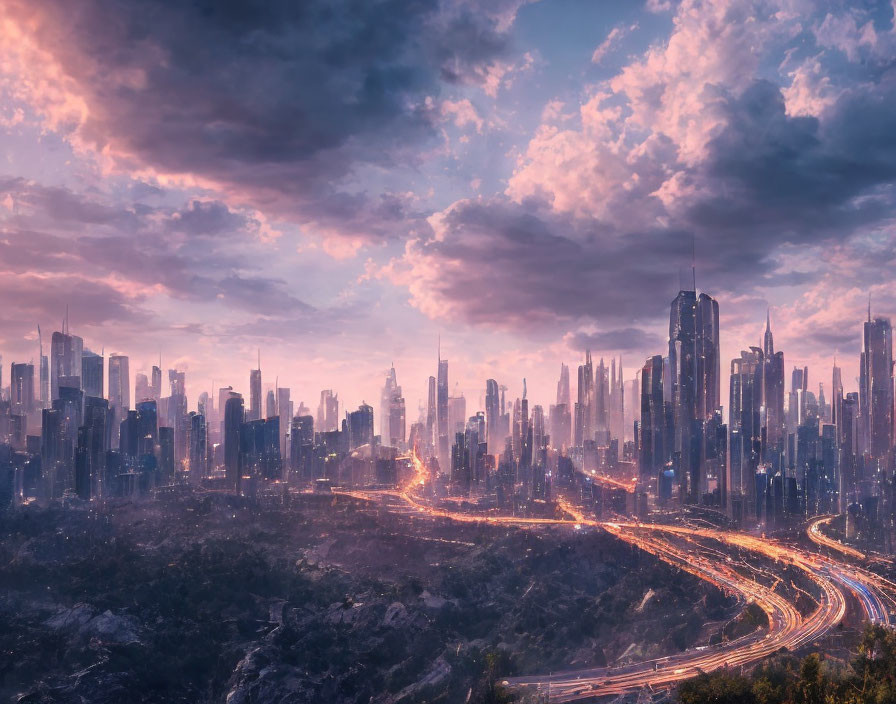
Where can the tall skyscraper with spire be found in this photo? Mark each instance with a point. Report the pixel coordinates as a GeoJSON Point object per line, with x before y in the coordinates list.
{"type": "Point", "coordinates": [695, 378]}
{"type": "Point", "coordinates": [772, 394]}
{"type": "Point", "coordinates": [876, 386]}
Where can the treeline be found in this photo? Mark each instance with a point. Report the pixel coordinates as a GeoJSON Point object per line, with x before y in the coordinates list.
{"type": "Point", "coordinates": [870, 678]}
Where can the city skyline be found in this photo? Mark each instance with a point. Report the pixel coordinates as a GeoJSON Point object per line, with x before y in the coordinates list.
{"type": "Point", "coordinates": [526, 200]}
{"type": "Point", "coordinates": [472, 388]}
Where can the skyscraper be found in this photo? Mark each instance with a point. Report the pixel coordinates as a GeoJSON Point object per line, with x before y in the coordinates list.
{"type": "Point", "coordinates": [233, 419]}
{"type": "Point", "coordinates": [708, 390]}
{"type": "Point", "coordinates": [652, 452]}
{"type": "Point", "coordinates": [397, 419]}
{"type": "Point", "coordinates": [360, 426]}
{"type": "Point", "coordinates": [694, 383]}
{"type": "Point", "coordinates": [198, 453]}
{"type": "Point", "coordinates": [156, 384]}
{"type": "Point", "coordinates": [492, 417]}
{"type": "Point", "coordinates": [876, 386]}
{"type": "Point", "coordinates": [836, 393]}
{"type": "Point", "coordinates": [432, 428]}
{"type": "Point", "coordinates": [584, 413]}
{"type": "Point", "coordinates": [744, 439]}
{"type": "Point", "coordinates": [92, 374]}
{"type": "Point", "coordinates": [284, 412]}
{"type": "Point", "coordinates": [328, 411]}
{"type": "Point", "coordinates": [563, 396]}
{"type": "Point", "coordinates": [65, 359]}
{"type": "Point", "coordinates": [119, 391]}
{"type": "Point", "coordinates": [683, 378]}
{"type": "Point", "coordinates": [21, 389]}
{"type": "Point", "coordinates": [442, 411]}
{"type": "Point", "coordinates": [255, 401]}
{"type": "Point", "coordinates": [385, 400]}
{"type": "Point", "coordinates": [773, 394]}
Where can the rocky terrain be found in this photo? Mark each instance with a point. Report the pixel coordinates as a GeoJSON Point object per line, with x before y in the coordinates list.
{"type": "Point", "coordinates": [321, 600]}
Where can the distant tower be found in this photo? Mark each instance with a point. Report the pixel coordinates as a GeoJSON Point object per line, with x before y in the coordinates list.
{"type": "Point", "coordinates": [255, 392]}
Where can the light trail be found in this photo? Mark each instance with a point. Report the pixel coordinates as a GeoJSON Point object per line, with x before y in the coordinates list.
{"type": "Point", "coordinates": [819, 538]}
{"type": "Point", "coordinates": [787, 627]}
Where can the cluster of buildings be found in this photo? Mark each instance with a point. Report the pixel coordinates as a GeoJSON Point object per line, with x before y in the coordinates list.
{"type": "Point", "coordinates": [785, 453]}
{"type": "Point", "coordinates": [661, 440]}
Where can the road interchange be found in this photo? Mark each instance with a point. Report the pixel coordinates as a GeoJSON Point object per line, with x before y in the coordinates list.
{"type": "Point", "coordinates": [836, 580]}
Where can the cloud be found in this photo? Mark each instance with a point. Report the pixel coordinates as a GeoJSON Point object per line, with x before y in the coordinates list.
{"type": "Point", "coordinates": [688, 143]}
{"type": "Point", "coordinates": [274, 105]}
{"type": "Point", "coordinates": [612, 41]}
{"type": "Point", "coordinates": [522, 267]}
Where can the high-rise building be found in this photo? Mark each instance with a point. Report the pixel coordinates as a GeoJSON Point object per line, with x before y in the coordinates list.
{"type": "Point", "coordinates": [92, 374]}
{"type": "Point", "coordinates": [432, 430]}
{"type": "Point", "coordinates": [360, 426]}
{"type": "Point", "coordinates": [233, 419]}
{"type": "Point", "coordinates": [397, 419]}
{"type": "Point", "coordinates": [708, 391]}
{"type": "Point", "coordinates": [198, 448]}
{"type": "Point", "coordinates": [442, 411]}
{"type": "Point", "coordinates": [142, 389]}
{"type": "Point", "coordinates": [301, 436]}
{"type": "Point", "coordinates": [652, 450]}
{"type": "Point", "coordinates": [493, 416]}
{"type": "Point", "coordinates": [876, 387]}
{"type": "Point", "coordinates": [389, 386]}
{"type": "Point", "coordinates": [119, 391]}
{"type": "Point", "coordinates": [147, 427]}
{"type": "Point", "coordinates": [837, 393]}
{"type": "Point", "coordinates": [156, 385]}
{"type": "Point", "coordinates": [21, 389]}
{"type": "Point", "coordinates": [52, 453]}
{"type": "Point", "coordinates": [44, 388]}
{"type": "Point", "coordinates": [65, 359]}
{"type": "Point", "coordinates": [328, 411]}
{"type": "Point", "coordinates": [694, 383]}
{"type": "Point", "coordinates": [284, 412]}
{"type": "Point", "coordinates": [744, 439]}
{"type": "Point", "coordinates": [773, 395]}
{"type": "Point", "coordinates": [270, 404]}
{"type": "Point", "coordinates": [584, 409]}
{"type": "Point", "coordinates": [254, 412]}
{"type": "Point", "coordinates": [683, 379]}
{"type": "Point", "coordinates": [563, 396]}
{"type": "Point", "coordinates": [93, 445]}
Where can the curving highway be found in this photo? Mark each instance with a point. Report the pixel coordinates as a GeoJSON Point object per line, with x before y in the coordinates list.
{"type": "Point", "coordinates": [694, 550]}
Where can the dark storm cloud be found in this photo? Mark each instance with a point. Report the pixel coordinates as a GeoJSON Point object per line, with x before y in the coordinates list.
{"type": "Point", "coordinates": [521, 266]}
{"type": "Point", "coordinates": [274, 100]}
{"type": "Point", "coordinates": [780, 178]}
{"type": "Point", "coordinates": [206, 218]}
{"type": "Point", "coordinates": [769, 179]}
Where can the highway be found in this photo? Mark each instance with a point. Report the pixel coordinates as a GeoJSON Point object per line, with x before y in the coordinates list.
{"type": "Point", "coordinates": [699, 551]}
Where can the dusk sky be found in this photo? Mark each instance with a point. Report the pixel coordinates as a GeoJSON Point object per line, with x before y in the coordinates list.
{"type": "Point", "coordinates": [340, 182]}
